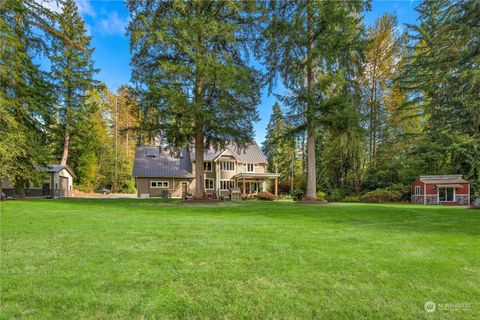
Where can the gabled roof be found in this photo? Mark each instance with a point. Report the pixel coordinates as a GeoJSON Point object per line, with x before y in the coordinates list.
{"type": "Point", "coordinates": [443, 179]}
{"type": "Point", "coordinates": [251, 153]}
{"type": "Point", "coordinates": [166, 163]}
{"type": "Point", "coordinates": [54, 168]}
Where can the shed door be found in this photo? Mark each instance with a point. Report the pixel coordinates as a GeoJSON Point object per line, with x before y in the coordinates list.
{"type": "Point", "coordinates": [63, 186]}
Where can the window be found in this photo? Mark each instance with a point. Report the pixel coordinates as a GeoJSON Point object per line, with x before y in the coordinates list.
{"type": "Point", "coordinates": [209, 184]}
{"type": "Point", "coordinates": [159, 184]}
{"type": "Point", "coordinates": [227, 165]}
{"type": "Point", "coordinates": [151, 153]}
{"type": "Point", "coordinates": [207, 166]}
{"type": "Point", "coordinates": [445, 194]}
{"type": "Point", "coordinates": [417, 190]}
{"type": "Point", "coordinates": [250, 167]}
{"type": "Point", "coordinates": [227, 184]}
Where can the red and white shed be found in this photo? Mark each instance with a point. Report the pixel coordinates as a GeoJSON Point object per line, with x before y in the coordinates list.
{"type": "Point", "coordinates": [442, 189]}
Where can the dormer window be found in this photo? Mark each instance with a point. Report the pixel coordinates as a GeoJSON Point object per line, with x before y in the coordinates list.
{"type": "Point", "coordinates": [151, 153]}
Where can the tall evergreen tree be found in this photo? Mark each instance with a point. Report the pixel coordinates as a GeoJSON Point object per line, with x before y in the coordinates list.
{"type": "Point", "coordinates": [442, 77]}
{"type": "Point", "coordinates": [191, 65]}
{"type": "Point", "coordinates": [279, 144]}
{"type": "Point", "coordinates": [25, 95]}
{"type": "Point", "coordinates": [304, 42]}
{"type": "Point", "coordinates": [73, 70]}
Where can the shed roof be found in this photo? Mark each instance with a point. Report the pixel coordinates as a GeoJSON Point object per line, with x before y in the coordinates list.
{"type": "Point", "coordinates": [443, 179]}
{"type": "Point", "coordinates": [54, 168]}
{"type": "Point", "coordinates": [167, 162]}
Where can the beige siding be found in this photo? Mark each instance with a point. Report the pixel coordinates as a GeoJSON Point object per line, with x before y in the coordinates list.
{"type": "Point", "coordinates": [175, 186]}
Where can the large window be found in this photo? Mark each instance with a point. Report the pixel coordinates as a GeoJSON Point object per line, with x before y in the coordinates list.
{"type": "Point", "coordinates": [159, 184]}
{"type": "Point", "coordinates": [250, 167]}
{"type": "Point", "coordinates": [227, 165]}
{"type": "Point", "coordinates": [207, 166]}
{"type": "Point", "coordinates": [227, 184]}
{"type": "Point", "coordinates": [417, 190]}
{"type": "Point", "coordinates": [445, 194]}
{"type": "Point", "coordinates": [209, 184]}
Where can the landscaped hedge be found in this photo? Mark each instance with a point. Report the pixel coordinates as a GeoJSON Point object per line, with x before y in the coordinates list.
{"type": "Point", "coordinates": [382, 195]}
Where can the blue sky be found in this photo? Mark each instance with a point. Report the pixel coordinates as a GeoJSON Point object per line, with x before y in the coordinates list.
{"type": "Point", "coordinates": [106, 22]}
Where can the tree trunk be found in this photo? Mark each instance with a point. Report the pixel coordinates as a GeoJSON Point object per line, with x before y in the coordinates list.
{"type": "Point", "coordinates": [66, 144]}
{"type": "Point", "coordinates": [311, 193]}
{"type": "Point", "coordinates": [199, 180]}
{"type": "Point", "coordinates": [199, 135]}
{"type": "Point", "coordinates": [66, 136]}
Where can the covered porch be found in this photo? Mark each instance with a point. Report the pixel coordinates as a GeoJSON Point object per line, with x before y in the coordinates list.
{"type": "Point", "coordinates": [252, 183]}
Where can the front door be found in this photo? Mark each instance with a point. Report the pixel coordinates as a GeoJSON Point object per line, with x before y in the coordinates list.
{"type": "Point", "coordinates": [63, 187]}
{"type": "Point", "coordinates": [184, 189]}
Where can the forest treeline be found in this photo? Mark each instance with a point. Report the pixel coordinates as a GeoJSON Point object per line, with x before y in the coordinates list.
{"type": "Point", "coordinates": [53, 110]}
{"type": "Point", "coordinates": [409, 106]}
{"type": "Point", "coordinates": [364, 107]}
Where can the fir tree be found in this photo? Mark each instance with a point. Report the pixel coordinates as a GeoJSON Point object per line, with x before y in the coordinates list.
{"type": "Point", "coordinates": [73, 70]}
{"type": "Point", "coordinates": [191, 66]}
{"type": "Point", "coordinates": [304, 42]}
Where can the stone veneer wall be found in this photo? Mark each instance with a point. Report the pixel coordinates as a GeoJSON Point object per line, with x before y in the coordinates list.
{"type": "Point", "coordinates": [462, 199]}
{"type": "Point", "coordinates": [418, 199]}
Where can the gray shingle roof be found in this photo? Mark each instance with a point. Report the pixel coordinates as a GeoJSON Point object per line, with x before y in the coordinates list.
{"type": "Point", "coordinates": [454, 178]}
{"type": "Point", "coordinates": [166, 163]}
{"type": "Point", "coordinates": [251, 153]}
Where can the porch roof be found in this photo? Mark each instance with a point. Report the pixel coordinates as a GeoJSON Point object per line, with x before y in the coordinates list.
{"type": "Point", "coordinates": [448, 185]}
{"type": "Point", "coordinates": [253, 175]}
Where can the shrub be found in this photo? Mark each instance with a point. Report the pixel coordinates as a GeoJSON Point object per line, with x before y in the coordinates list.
{"type": "Point", "coordinates": [403, 189]}
{"type": "Point", "coordinates": [321, 196]}
{"type": "Point", "coordinates": [334, 195]}
{"type": "Point", "coordinates": [351, 199]}
{"type": "Point", "coordinates": [297, 194]}
{"type": "Point", "coordinates": [381, 195]}
{"type": "Point", "coordinates": [265, 196]}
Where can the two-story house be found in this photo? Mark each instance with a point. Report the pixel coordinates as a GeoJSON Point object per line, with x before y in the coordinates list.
{"type": "Point", "coordinates": [161, 171]}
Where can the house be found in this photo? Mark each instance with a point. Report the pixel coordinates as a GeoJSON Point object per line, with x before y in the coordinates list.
{"type": "Point", "coordinates": [58, 184]}
{"type": "Point", "coordinates": [441, 189]}
{"type": "Point", "coordinates": [163, 171]}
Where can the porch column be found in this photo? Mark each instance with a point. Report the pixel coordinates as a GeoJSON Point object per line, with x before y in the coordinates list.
{"type": "Point", "coordinates": [276, 187]}
{"type": "Point", "coordinates": [264, 186]}
{"type": "Point", "coordinates": [243, 190]}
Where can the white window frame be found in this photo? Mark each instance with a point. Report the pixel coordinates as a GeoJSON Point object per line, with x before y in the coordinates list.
{"type": "Point", "coordinates": [253, 168]}
{"type": "Point", "coordinates": [231, 184]}
{"type": "Point", "coordinates": [417, 190]}
{"type": "Point", "coordinates": [213, 184]}
{"type": "Point", "coordinates": [222, 165]}
{"type": "Point", "coordinates": [446, 197]}
{"type": "Point", "coordinates": [159, 184]}
{"type": "Point", "coordinates": [205, 165]}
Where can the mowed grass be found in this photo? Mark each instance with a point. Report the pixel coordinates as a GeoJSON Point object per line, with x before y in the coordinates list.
{"type": "Point", "coordinates": [151, 259]}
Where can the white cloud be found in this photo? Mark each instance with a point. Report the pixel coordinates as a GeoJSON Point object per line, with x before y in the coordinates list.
{"type": "Point", "coordinates": [50, 4]}
{"type": "Point", "coordinates": [112, 24]}
{"type": "Point", "coordinates": [85, 8]}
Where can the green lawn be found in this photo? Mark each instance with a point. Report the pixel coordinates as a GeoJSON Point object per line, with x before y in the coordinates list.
{"type": "Point", "coordinates": [134, 259]}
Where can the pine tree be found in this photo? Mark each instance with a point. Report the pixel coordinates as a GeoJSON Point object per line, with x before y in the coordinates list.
{"type": "Point", "coordinates": [305, 40]}
{"type": "Point", "coordinates": [73, 70]}
{"type": "Point", "coordinates": [191, 65]}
